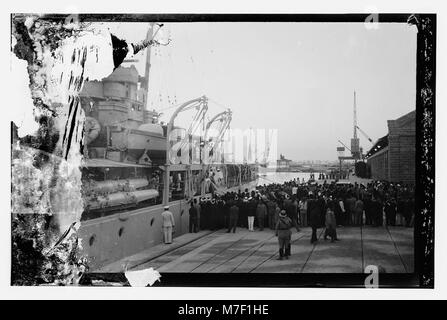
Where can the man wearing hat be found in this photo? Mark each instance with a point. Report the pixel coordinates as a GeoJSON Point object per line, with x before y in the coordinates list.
{"type": "Point", "coordinates": [284, 234]}
{"type": "Point", "coordinates": [168, 225]}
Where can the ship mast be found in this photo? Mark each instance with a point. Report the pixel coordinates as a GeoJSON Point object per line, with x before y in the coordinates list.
{"type": "Point", "coordinates": [149, 37]}
{"type": "Point", "coordinates": [144, 80]}
{"type": "Point", "coordinates": [145, 83]}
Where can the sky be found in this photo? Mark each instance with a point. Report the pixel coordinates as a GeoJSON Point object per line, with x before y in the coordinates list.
{"type": "Point", "coordinates": [298, 78]}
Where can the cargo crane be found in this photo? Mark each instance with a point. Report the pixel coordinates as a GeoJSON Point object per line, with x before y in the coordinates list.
{"type": "Point", "coordinates": [356, 150]}
{"type": "Point", "coordinates": [341, 157]}
{"type": "Point", "coordinates": [180, 141]}
{"type": "Point", "coordinates": [212, 142]}
{"type": "Point", "coordinates": [355, 142]}
{"type": "Point", "coordinates": [344, 145]}
{"type": "Point", "coordinates": [200, 105]}
{"type": "Point", "coordinates": [366, 136]}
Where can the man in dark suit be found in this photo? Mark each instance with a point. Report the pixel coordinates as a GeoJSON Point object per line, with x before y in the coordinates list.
{"type": "Point", "coordinates": [192, 218]}
{"type": "Point", "coordinates": [261, 212]}
{"type": "Point", "coordinates": [322, 208]}
{"type": "Point", "coordinates": [377, 211]}
{"type": "Point", "coordinates": [234, 216]}
{"type": "Point", "coordinates": [271, 209]}
{"type": "Point", "coordinates": [292, 210]}
{"type": "Point", "coordinates": [350, 208]}
{"type": "Point", "coordinates": [197, 206]}
{"type": "Point", "coordinates": [314, 213]}
{"type": "Point", "coordinates": [390, 212]}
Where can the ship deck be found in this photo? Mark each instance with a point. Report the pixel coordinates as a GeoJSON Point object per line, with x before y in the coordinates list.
{"type": "Point", "coordinates": [389, 248]}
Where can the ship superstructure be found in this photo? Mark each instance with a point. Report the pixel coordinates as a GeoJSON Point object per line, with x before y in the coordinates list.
{"type": "Point", "coordinates": [134, 166]}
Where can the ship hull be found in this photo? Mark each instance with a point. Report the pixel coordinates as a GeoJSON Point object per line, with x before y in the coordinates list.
{"type": "Point", "coordinates": [114, 237]}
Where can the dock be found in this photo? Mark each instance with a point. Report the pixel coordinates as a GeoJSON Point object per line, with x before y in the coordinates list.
{"type": "Point", "coordinates": [389, 248]}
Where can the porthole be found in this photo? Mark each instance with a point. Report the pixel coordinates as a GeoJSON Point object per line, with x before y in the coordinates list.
{"type": "Point", "coordinates": [92, 240]}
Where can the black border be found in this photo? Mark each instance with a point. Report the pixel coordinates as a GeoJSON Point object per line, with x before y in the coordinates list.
{"type": "Point", "coordinates": [425, 148]}
{"type": "Point", "coordinates": [425, 157]}
{"type": "Point", "coordinates": [243, 17]}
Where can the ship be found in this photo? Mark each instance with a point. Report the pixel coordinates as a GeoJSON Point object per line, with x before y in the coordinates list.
{"type": "Point", "coordinates": [135, 165]}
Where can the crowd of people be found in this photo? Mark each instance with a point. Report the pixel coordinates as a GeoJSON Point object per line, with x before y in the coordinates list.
{"type": "Point", "coordinates": [323, 205]}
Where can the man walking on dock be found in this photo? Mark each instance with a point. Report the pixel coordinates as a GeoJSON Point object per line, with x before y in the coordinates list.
{"type": "Point", "coordinates": [284, 234]}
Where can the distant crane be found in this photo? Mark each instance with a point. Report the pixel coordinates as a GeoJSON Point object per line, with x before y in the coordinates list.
{"type": "Point", "coordinates": [355, 150]}
{"type": "Point", "coordinates": [355, 142]}
{"type": "Point", "coordinates": [344, 145]}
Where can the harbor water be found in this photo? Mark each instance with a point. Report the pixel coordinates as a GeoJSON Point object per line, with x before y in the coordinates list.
{"type": "Point", "coordinates": [281, 177]}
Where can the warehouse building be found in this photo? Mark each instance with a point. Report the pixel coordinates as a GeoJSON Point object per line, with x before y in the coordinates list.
{"type": "Point", "coordinates": [393, 157]}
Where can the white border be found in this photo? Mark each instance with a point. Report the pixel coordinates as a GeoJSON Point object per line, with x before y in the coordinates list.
{"type": "Point", "coordinates": [228, 6]}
